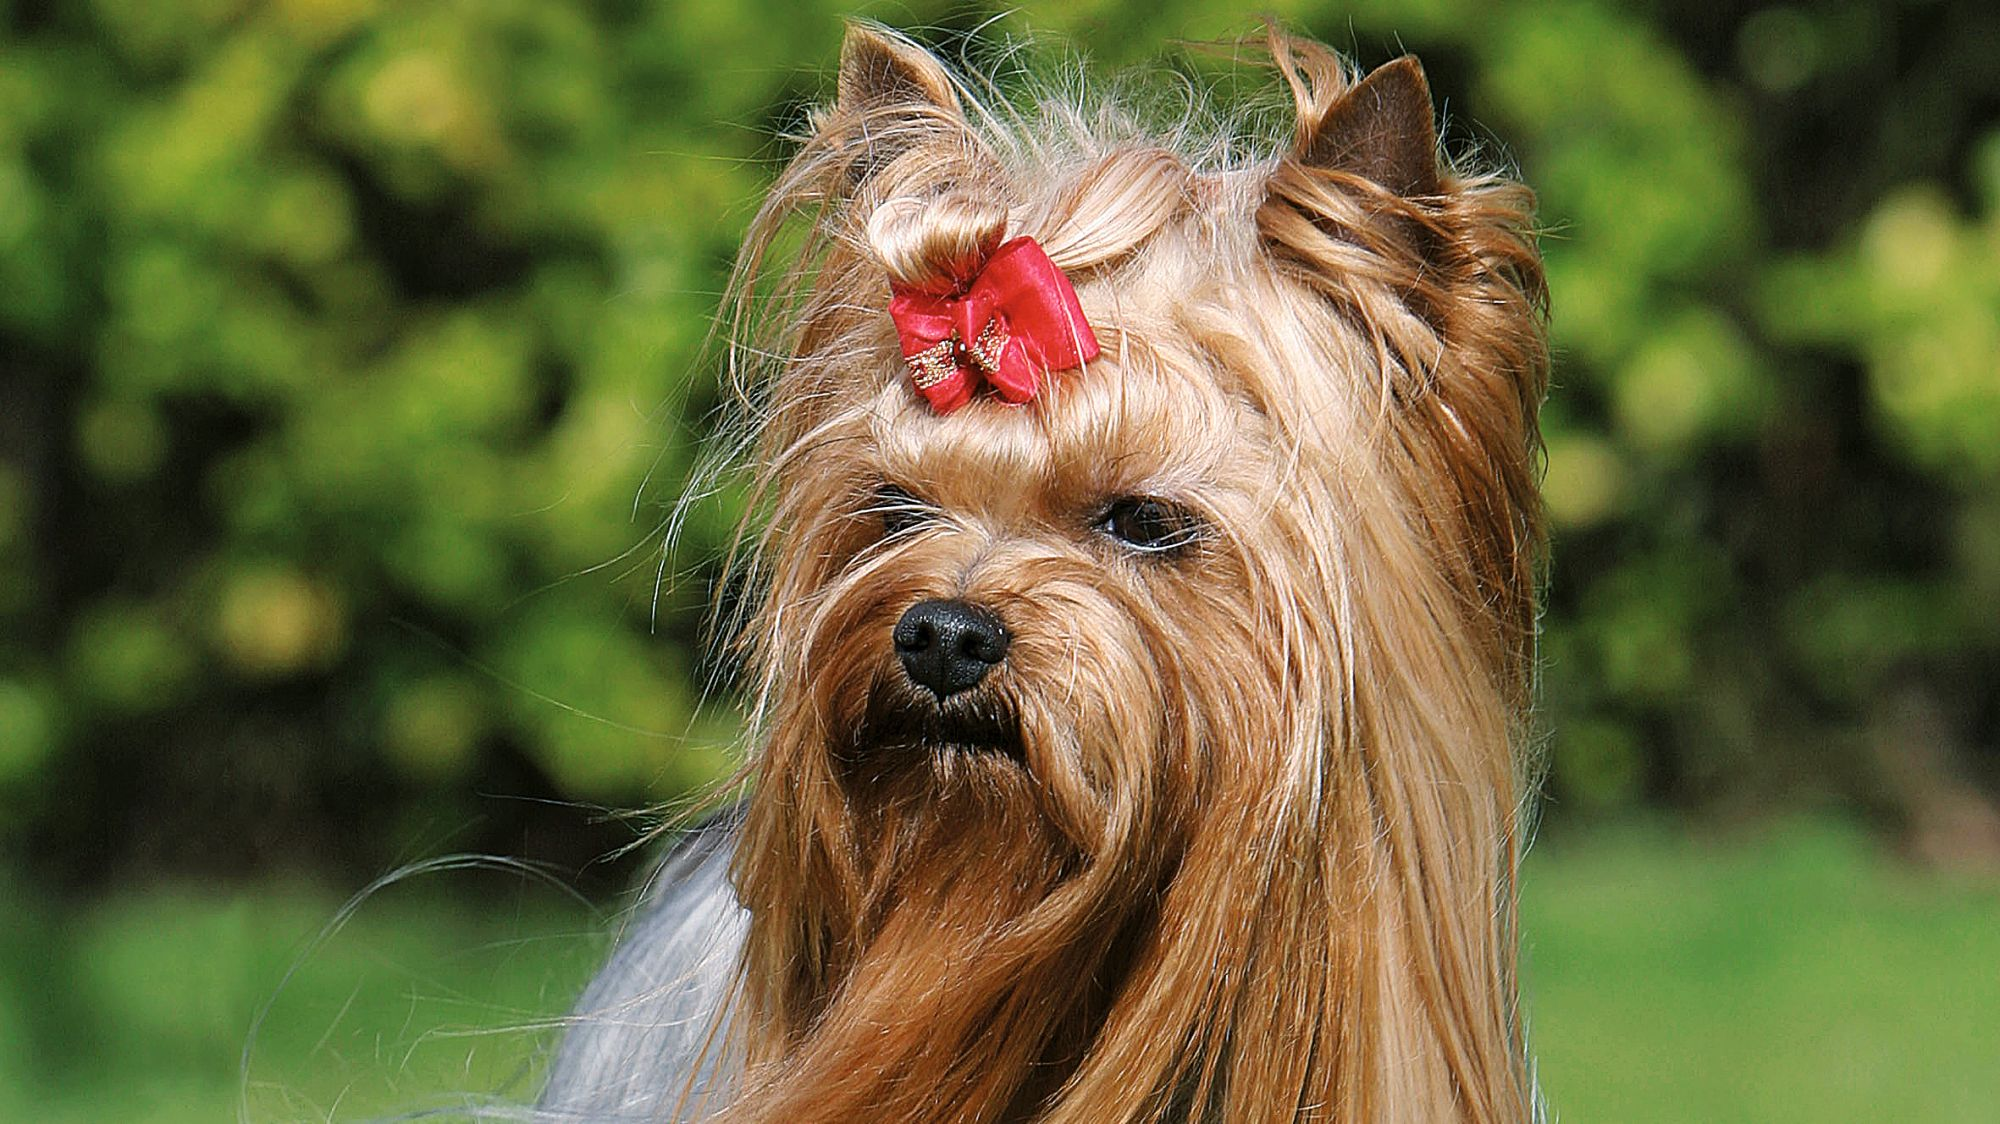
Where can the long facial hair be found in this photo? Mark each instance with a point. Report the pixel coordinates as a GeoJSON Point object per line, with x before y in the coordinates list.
{"type": "Point", "coordinates": [1231, 834]}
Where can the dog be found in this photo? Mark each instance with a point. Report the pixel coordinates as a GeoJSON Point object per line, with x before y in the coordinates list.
{"type": "Point", "coordinates": [1140, 636]}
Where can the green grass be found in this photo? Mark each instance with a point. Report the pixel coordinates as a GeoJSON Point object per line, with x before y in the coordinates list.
{"type": "Point", "coordinates": [1800, 976]}
{"type": "Point", "coordinates": [139, 1009]}
{"type": "Point", "coordinates": [1795, 976]}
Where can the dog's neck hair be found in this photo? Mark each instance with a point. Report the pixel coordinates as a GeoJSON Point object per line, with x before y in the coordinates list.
{"type": "Point", "coordinates": [1308, 916]}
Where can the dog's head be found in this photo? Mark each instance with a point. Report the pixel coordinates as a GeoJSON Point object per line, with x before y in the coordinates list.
{"type": "Point", "coordinates": [1145, 748]}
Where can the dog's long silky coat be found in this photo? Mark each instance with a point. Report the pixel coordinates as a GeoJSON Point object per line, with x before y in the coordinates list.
{"type": "Point", "coordinates": [1222, 823]}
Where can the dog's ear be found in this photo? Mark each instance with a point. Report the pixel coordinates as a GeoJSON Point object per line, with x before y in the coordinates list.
{"type": "Point", "coordinates": [892, 96]}
{"type": "Point", "coordinates": [1459, 258]}
{"type": "Point", "coordinates": [880, 69]}
{"type": "Point", "coordinates": [1382, 128]}
{"type": "Point", "coordinates": [1363, 168]}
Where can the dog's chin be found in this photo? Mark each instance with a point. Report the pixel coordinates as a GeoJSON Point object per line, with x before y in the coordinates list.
{"type": "Point", "coordinates": [905, 730]}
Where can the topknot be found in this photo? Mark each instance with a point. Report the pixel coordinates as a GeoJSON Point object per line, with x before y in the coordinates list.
{"type": "Point", "coordinates": [937, 242]}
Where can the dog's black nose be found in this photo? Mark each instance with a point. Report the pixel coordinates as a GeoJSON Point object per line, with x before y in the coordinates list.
{"type": "Point", "coordinates": [949, 646]}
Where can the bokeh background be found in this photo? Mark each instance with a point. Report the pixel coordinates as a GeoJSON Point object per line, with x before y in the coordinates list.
{"type": "Point", "coordinates": [351, 366]}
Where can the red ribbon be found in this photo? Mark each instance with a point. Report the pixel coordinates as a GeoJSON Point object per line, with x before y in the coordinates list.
{"type": "Point", "coordinates": [1017, 320]}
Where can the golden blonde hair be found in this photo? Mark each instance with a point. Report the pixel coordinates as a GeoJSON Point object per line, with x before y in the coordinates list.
{"type": "Point", "coordinates": [1255, 856]}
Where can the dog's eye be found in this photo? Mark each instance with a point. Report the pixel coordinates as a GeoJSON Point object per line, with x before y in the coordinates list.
{"type": "Point", "coordinates": [1150, 526]}
{"type": "Point", "coordinates": [899, 510]}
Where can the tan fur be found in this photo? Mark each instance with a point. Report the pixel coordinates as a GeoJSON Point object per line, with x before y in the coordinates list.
{"type": "Point", "coordinates": [1256, 861]}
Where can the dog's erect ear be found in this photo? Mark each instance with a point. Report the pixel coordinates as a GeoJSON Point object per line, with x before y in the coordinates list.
{"type": "Point", "coordinates": [893, 96]}
{"type": "Point", "coordinates": [1381, 128]}
{"type": "Point", "coordinates": [880, 70]}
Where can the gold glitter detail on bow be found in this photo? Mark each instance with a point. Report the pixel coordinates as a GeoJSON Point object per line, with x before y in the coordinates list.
{"type": "Point", "coordinates": [986, 350]}
{"type": "Point", "coordinates": [933, 364]}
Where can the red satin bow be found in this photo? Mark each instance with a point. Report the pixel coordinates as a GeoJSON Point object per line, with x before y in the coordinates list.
{"type": "Point", "coordinates": [1018, 319]}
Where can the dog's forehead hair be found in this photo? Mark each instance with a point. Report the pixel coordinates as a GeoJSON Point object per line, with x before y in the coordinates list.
{"type": "Point", "coordinates": [1148, 418]}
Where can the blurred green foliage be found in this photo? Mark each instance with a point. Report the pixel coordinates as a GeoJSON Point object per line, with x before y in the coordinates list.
{"type": "Point", "coordinates": [353, 353]}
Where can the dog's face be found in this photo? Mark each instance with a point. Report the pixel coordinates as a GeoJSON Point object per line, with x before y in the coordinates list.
{"type": "Point", "coordinates": [1115, 743]}
{"type": "Point", "coordinates": [1046, 600]}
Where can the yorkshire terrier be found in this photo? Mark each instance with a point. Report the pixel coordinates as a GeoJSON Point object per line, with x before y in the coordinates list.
{"type": "Point", "coordinates": [1141, 638]}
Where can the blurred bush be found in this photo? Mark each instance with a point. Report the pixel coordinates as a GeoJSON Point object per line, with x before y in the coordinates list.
{"type": "Point", "coordinates": [352, 355]}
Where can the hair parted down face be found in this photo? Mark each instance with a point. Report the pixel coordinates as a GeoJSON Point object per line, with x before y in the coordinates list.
{"type": "Point", "coordinates": [1230, 832]}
